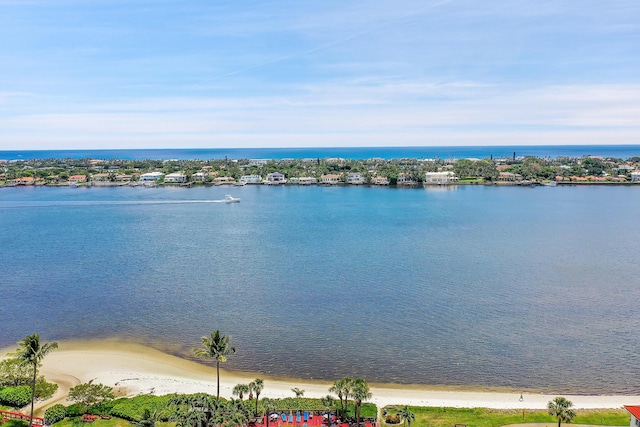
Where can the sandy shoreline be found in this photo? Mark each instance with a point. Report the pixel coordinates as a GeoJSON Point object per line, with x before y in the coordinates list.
{"type": "Point", "coordinates": [134, 369]}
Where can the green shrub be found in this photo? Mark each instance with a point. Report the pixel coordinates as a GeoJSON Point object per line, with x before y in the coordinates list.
{"type": "Point", "coordinates": [132, 409]}
{"type": "Point", "coordinates": [75, 410]}
{"type": "Point", "coordinates": [16, 397]}
{"type": "Point", "coordinates": [44, 389]}
{"type": "Point", "coordinates": [55, 413]}
{"type": "Point", "coordinates": [16, 423]}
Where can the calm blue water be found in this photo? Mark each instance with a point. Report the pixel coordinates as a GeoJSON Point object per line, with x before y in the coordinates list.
{"type": "Point", "coordinates": [520, 287]}
{"type": "Point", "coordinates": [553, 151]}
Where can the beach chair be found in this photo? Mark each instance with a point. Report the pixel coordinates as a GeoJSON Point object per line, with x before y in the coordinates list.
{"type": "Point", "coordinates": [298, 417]}
{"type": "Point", "coordinates": [284, 417]}
{"type": "Point", "coordinates": [291, 418]}
{"type": "Point", "coordinates": [306, 416]}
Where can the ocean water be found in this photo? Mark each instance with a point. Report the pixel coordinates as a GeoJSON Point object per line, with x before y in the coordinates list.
{"type": "Point", "coordinates": [532, 288]}
{"type": "Point", "coordinates": [553, 151]}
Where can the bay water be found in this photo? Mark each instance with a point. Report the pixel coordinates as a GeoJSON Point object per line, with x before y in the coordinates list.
{"type": "Point", "coordinates": [532, 288]}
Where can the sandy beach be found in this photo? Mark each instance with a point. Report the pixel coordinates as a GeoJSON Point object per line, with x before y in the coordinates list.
{"type": "Point", "coordinates": [134, 369]}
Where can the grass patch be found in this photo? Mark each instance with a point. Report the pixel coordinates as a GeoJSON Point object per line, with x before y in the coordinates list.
{"type": "Point", "coordinates": [76, 422]}
{"type": "Point", "coordinates": [482, 417]}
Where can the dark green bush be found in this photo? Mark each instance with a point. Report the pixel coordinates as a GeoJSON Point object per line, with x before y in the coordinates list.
{"type": "Point", "coordinates": [132, 409]}
{"type": "Point", "coordinates": [16, 397]}
{"type": "Point", "coordinates": [16, 423]}
{"type": "Point", "coordinates": [55, 413]}
{"type": "Point", "coordinates": [75, 410]}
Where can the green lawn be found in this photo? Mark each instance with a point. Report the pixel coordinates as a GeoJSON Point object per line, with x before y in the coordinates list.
{"type": "Point", "coordinates": [479, 417]}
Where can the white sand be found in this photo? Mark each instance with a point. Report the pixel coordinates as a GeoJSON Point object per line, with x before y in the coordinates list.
{"type": "Point", "coordinates": [134, 369]}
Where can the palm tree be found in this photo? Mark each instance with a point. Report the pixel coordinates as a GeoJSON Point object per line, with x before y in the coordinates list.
{"type": "Point", "coordinates": [342, 388]}
{"type": "Point", "coordinates": [256, 387]}
{"type": "Point", "coordinates": [299, 393]}
{"type": "Point", "coordinates": [337, 389]}
{"type": "Point", "coordinates": [32, 352]}
{"type": "Point", "coordinates": [216, 347]}
{"type": "Point", "coordinates": [360, 392]}
{"type": "Point", "coordinates": [240, 390]}
{"type": "Point", "coordinates": [268, 405]}
{"type": "Point", "coordinates": [561, 409]}
{"type": "Point", "coordinates": [406, 415]}
{"type": "Point", "coordinates": [328, 402]}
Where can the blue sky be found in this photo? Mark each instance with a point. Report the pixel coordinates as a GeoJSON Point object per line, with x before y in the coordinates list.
{"type": "Point", "coordinates": [246, 73]}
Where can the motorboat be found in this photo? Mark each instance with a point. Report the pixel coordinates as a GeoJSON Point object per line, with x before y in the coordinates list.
{"type": "Point", "coordinates": [229, 199]}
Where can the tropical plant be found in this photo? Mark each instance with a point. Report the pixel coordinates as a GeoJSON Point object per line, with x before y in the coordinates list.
{"type": "Point", "coordinates": [55, 413]}
{"type": "Point", "coordinates": [360, 392]}
{"type": "Point", "coordinates": [299, 393]}
{"type": "Point", "coordinates": [216, 347]}
{"type": "Point", "coordinates": [561, 409]}
{"type": "Point", "coordinates": [31, 352]}
{"type": "Point", "coordinates": [240, 390]}
{"type": "Point", "coordinates": [268, 405]}
{"type": "Point", "coordinates": [406, 415]}
{"type": "Point", "coordinates": [89, 394]}
{"type": "Point", "coordinates": [342, 388]}
{"type": "Point", "coordinates": [16, 397]}
{"type": "Point", "coordinates": [256, 387]}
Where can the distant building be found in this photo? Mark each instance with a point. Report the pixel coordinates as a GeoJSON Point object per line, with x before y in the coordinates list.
{"type": "Point", "coordinates": [77, 179]}
{"type": "Point", "coordinates": [175, 177]}
{"type": "Point", "coordinates": [508, 176]}
{"type": "Point", "coordinates": [405, 179]}
{"type": "Point", "coordinates": [330, 178]}
{"type": "Point", "coordinates": [380, 180]}
{"type": "Point", "coordinates": [441, 178]}
{"type": "Point", "coordinates": [275, 178]}
{"type": "Point", "coordinates": [355, 178]}
{"type": "Point", "coordinates": [303, 180]}
{"type": "Point", "coordinates": [200, 176]}
{"type": "Point", "coordinates": [151, 176]}
{"type": "Point", "coordinates": [635, 176]}
{"type": "Point", "coordinates": [224, 180]}
{"type": "Point", "coordinates": [251, 179]}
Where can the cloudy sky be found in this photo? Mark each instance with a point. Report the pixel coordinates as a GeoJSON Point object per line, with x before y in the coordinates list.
{"type": "Point", "coordinates": [298, 73]}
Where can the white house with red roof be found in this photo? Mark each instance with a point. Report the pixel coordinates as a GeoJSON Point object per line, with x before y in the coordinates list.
{"type": "Point", "coordinates": [635, 414]}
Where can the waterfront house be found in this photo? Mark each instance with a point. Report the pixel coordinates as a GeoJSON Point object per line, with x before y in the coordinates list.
{"type": "Point", "coordinates": [635, 176]}
{"type": "Point", "coordinates": [508, 176]}
{"type": "Point", "coordinates": [303, 180]}
{"type": "Point", "coordinates": [25, 180]}
{"type": "Point", "coordinates": [200, 176]}
{"type": "Point", "coordinates": [380, 180]}
{"type": "Point", "coordinates": [151, 177]}
{"type": "Point", "coordinates": [355, 178]}
{"type": "Point", "coordinates": [442, 178]}
{"type": "Point", "coordinates": [405, 179]}
{"type": "Point", "coordinates": [100, 177]}
{"type": "Point", "coordinates": [330, 179]}
{"type": "Point", "coordinates": [223, 180]}
{"type": "Point", "coordinates": [275, 178]}
{"type": "Point", "coordinates": [76, 179]}
{"type": "Point", "coordinates": [176, 177]}
{"type": "Point", "coordinates": [250, 179]}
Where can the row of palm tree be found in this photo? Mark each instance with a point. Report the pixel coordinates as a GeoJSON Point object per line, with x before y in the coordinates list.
{"type": "Point", "coordinates": [356, 388]}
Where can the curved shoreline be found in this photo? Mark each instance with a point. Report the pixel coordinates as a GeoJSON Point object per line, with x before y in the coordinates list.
{"type": "Point", "coordinates": [134, 369]}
